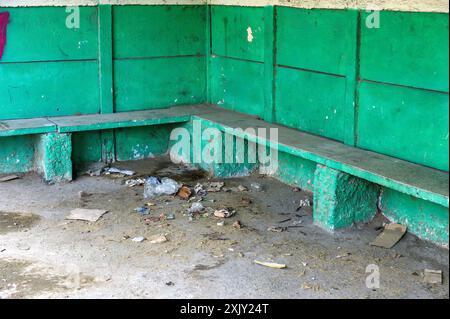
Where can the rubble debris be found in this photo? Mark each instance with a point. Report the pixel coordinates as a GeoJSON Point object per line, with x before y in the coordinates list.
{"type": "Point", "coordinates": [153, 219]}
{"type": "Point", "coordinates": [95, 169]}
{"type": "Point", "coordinates": [343, 256]}
{"type": "Point", "coordinates": [196, 208]}
{"type": "Point", "coordinates": [277, 229]}
{"type": "Point", "coordinates": [246, 200]}
{"type": "Point", "coordinates": [308, 286]}
{"type": "Point", "coordinates": [256, 187]}
{"type": "Point", "coordinates": [221, 223]}
{"type": "Point", "coordinates": [284, 221]}
{"type": "Point", "coordinates": [135, 182]}
{"type": "Point", "coordinates": [214, 187]}
{"type": "Point", "coordinates": [169, 216]}
{"type": "Point", "coordinates": [150, 204]}
{"type": "Point", "coordinates": [303, 203]}
{"type": "Point", "coordinates": [82, 194]}
{"type": "Point", "coordinates": [238, 225]}
{"type": "Point", "coordinates": [8, 178]}
{"type": "Point", "coordinates": [158, 239]}
{"type": "Point", "coordinates": [184, 192]}
{"type": "Point", "coordinates": [90, 215]}
{"type": "Point", "coordinates": [242, 188]}
{"type": "Point", "coordinates": [114, 170]}
{"type": "Point", "coordinates": [390, 236]}
{"type": "Point", "coordinates": [200, 191]}
{"type": "Point", "coordinates": [144, 211]}
{"type": "Point", "coordinates": [270, 264]}
{"type": "Point", "coordinates": [215, 236]}
{"type": "Point", "coordinates": [158, 187]}
{"type": "Point", "coordinates": [297, 222]}
{"type": "Point", "coordinates": [138, 239]}
{"type": "Point", "coordinates": [224, 213]}
{"type": "Point", "coordinates": [433, 277]}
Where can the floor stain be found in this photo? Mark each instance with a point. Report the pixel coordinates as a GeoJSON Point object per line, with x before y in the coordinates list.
{"type": "Point", "coordinates": [14, 222]}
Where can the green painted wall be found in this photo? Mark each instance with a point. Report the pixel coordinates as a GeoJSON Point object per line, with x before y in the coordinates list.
{"type": "Point", "coordinates": [158, 56]}
{"type": "Point", "coordinates": [48, 69]}
{"type": "Point", "coordinates": [325, 72]}
{"type": "Point", "coordinates": [405, 122]}
{"type": "Point", "coordinates": [150, 56]}
{"type": "Point", "coordinates": [321, 71]}
{"type": "Point", "coordinates": [238, 85]}
{"type": "Point", "coordinates": [142, 142]}
{"type": "Point", "coordinates": [403, 95]}
{"type": "Point", "coordinates": [237, 64]}
{"type": "Point", "coordinates": [16, 154]}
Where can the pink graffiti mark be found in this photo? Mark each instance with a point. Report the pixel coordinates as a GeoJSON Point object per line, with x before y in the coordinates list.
{"type": "Point", "coordinates": [4, 17]}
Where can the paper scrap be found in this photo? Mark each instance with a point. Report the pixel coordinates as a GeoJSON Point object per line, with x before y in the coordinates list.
{"type": "Point", "coordinates": [390, 236]}
{"type": "Point", "coordinates": [90, 215]}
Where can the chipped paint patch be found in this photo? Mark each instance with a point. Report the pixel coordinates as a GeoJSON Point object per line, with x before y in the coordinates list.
{"type": "Point", "coordinates": [249, 34]}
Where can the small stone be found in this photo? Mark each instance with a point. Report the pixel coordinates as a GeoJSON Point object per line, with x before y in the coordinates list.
{"type": "Point", "coordinates": [242, 188]}
{"type": "Point", "coordinates": [257, 187]}
{"type": "Point", "coordinates": [138, 239]}
{"type": "Point", "coordinates": [159, 239]}
{"type": "Point", "coordinates": [237, 224]}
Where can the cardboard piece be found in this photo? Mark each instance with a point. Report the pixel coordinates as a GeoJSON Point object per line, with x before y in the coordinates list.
{"type": "Point", "coordinates": [90, 215]}
{"type": "Point", "coordinates": [433, 277]}
{"type": "Point", "coordinates": [390, 236]}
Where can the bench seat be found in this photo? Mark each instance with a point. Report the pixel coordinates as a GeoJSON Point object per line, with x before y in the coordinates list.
{"type": "Point", "coordinates": [416, 180]}
{"type": "Point", "coordinates": [95, 122]}
{"type": "Point", "coordinates": [26, 127]}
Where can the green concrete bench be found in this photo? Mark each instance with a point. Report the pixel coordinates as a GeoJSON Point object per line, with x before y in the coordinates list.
{"type": "Point", "coordinates": [38, 127]}
{"type": "Point", "coordinates": [346, 179]}
{"type": "Point", "coordinates": [26, 127]}
{"type": "Point", "coordinates": [53, 143]}
{"type": "Point", "coordinates": [406, 177]}
{"type": "Point", "coordinates": [55, 148]}
{"type": "Point", "coordinates": [95, 122]}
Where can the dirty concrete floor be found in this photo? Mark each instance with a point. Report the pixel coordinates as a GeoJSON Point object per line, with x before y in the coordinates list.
{"type": "Point", "coordinates": [43, 255]}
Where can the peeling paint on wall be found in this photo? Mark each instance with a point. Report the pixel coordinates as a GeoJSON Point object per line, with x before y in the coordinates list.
{"type": "Point", "coordinates": [249, 34]}
{"type": "Point", "coordinates": [394, 5]}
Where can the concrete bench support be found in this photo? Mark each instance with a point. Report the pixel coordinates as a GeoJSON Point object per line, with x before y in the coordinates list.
{"type": "Point", "coordinates": [53, 158]}
{"type": "Point", "coordinates": [340, 200]}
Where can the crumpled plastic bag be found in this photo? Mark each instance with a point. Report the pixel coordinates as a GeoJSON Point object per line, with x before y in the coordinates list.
{"type": "Point", "coordinates": [158, 187]}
